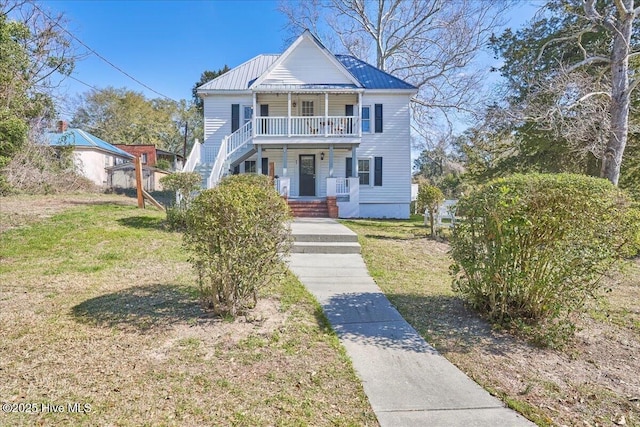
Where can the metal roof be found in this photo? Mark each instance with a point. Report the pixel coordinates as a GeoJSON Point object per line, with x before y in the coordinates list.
{"type": "Point", "coordinates": [371, 77]}
{"type": "Point", "coordinates": [240, 77]}
{"type": "Point", "coordinates": [79, 138]}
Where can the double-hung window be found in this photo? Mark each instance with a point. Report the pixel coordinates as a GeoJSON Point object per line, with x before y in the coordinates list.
{"type": "Point", "coordinates": [366, 118]}
{"type": "Point", "coordinates": [364, 171]}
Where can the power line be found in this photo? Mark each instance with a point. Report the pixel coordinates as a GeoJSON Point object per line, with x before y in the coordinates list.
{"type": "Point", "coordinates": [86, 84]}
{"type": "Point", "coordinates": [100, 56]}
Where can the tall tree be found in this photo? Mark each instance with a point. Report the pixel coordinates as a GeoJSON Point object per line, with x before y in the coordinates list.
{"type": "Point", "coordinates": [122, 116]}
{"type": "Point", "coordinates": [33, 49]}
{"type": "Point", "coordinates": [571, 81]}
{"type": "Point", "coordinates": [429, 43]}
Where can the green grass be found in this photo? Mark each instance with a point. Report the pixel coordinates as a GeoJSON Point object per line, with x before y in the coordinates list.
{"type": "Point", "coordinates": [98, 305]}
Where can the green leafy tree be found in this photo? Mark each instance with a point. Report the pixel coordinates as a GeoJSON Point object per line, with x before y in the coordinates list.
{"type": "Point", "coordinates": [122, 116]}
{"type": "Point", "coordinates": [33, 50]}
{"type": "Point", "coordinates": [571, 76]}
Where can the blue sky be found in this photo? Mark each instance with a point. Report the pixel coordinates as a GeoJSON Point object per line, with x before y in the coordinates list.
{"type": "Point", "coordinates": [167, 44]}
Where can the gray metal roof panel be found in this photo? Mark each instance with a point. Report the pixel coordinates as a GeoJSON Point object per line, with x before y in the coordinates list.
{"type": "Point", "coordinates": [240, 77]}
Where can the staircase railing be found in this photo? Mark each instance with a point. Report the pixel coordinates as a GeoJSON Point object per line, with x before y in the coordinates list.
{"type": "Point", "coordinates": [194, 157]}
{"type": "Point", "coordinates": [239, 138]}
{"type": "Point", "coordinates": [218, 165]}
{"type": "Point", "coordinates": [230, 145]}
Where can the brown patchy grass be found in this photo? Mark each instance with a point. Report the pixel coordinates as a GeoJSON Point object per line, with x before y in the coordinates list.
{"type": "Point", "coordinates": [593, 382]}
{"type": "Point", "coordinates": [97, 306]}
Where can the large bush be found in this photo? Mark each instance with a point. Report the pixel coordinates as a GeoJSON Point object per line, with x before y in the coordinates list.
{"type": "Point", "coordinates": [236, 234]}
{"type": "Point", "coordinates": [530, 249]}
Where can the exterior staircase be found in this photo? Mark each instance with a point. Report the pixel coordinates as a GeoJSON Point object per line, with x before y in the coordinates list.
{"type": "Point", "coordinates": [233, 149]}
{"type": "Point", "coordinates": [308, 208]}
{"type": "Point", "coordinates": [204, 169]}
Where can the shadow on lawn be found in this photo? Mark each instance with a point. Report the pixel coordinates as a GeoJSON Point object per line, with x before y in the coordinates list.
{"type": "Point", "coordinates": [140, 308]}
{"type": "Point", "coordinates": [143, 222]}
{"type": "Point", "coordinates": [449, 323]}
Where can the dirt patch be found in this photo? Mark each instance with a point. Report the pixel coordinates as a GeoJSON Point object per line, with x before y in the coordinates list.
{"type": "Point", "coordinates": [18, 211]}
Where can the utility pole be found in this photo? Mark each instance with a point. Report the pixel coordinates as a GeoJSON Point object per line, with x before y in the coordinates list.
{"type": "Point", "coordinates": [184, 148]}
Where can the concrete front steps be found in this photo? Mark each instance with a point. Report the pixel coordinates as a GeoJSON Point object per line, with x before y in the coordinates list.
{"type": "Point", "coordinates": [327, 239]}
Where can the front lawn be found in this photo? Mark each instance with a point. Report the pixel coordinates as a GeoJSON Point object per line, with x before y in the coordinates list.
{"type": "Point", "coordinates": [98, 307]}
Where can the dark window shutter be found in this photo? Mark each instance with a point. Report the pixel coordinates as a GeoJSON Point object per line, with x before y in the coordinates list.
{"type": "Point", "coordinates": [265, 166]}
{"type": "Point", "coordinates": [235, 117]}
{"type": "Point", "coordinates": [349, 171]}
{"type": "Point", "coordinates": [378, 118]}
{"type": "Point", "coordinates": [264, 110]}
{"type": "Point", "coordinates": [378, 172]}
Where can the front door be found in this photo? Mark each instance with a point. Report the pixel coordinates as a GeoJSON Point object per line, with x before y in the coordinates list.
{"type": "Point", "coordinates": [307, 175]}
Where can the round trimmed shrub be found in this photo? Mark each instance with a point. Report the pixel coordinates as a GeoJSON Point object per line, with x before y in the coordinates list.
{"type": "Point", "coordinates": [236, 234]}
{"type": "Point", "coordinates": [530, 249]}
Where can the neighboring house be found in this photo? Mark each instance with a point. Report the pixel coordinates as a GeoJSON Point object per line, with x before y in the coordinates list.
{"type": "Point", "coordinates": [150, 155]}
{"type": "Point", "coordinates": [324, 126]}
{"type": "Point", "coordinates": [92, 156]}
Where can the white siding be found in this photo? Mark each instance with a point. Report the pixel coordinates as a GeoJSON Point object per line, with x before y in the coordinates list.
{"type": "Point", "coordinates": [307, 64]}
{"type": "Point", "coordinates": [217, 121]}
{"type": "Point", "coordinates": [393, 145]}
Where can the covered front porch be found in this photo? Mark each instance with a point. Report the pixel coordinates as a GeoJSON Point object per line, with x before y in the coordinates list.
{"type": "Point", "coordinates": [310, 172]}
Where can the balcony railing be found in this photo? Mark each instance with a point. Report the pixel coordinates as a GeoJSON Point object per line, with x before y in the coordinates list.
{"type": "Point", "coordinates": [314, 126]}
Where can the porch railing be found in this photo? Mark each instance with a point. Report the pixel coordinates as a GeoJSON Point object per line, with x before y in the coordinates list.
{"type": "Point", "coordinates": [239, 138]}
{"type": "Point", "coordinates": [307, 126]}
{"type": "Point", "coordinates": [342, 186]}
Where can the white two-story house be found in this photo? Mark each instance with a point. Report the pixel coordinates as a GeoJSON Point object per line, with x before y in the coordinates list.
{"type": "Point", "coordinates": [324, 126]}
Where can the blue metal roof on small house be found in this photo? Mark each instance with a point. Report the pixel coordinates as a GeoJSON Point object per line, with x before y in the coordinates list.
{"type": "Point", "coordinates": [79, 138]}
{"type": "Point", "coordinates": [371, 77]}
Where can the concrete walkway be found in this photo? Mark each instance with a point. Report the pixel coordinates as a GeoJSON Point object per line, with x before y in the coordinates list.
{"type": "Point", "coordinates": [407, 381]}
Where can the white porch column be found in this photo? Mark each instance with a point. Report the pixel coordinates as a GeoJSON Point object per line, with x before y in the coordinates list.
{"type": "Point", "coordinates": [284, 160]}
{"type": "Point", "coordinates": [330, 160]}
{"type": "Point", "coordinates": [253, 115]}
{"type": "Point", "coordinates": [354, 161]}
{"type": "Point", "coordinates": [288, 115]}
{"type": "Point", "coordinates": [326, 114]}
{"type": "Point", "coordinates": [259, 159]}
{"type": "Point", "coordinates": [359, 114]}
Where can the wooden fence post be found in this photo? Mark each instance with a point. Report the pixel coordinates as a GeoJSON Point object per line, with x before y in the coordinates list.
{"type": "Point", "coordinates": [139, 182]}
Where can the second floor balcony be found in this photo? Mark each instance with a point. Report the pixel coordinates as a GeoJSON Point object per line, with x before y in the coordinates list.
{"type": "Point", "coordinates": [308, 126]}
